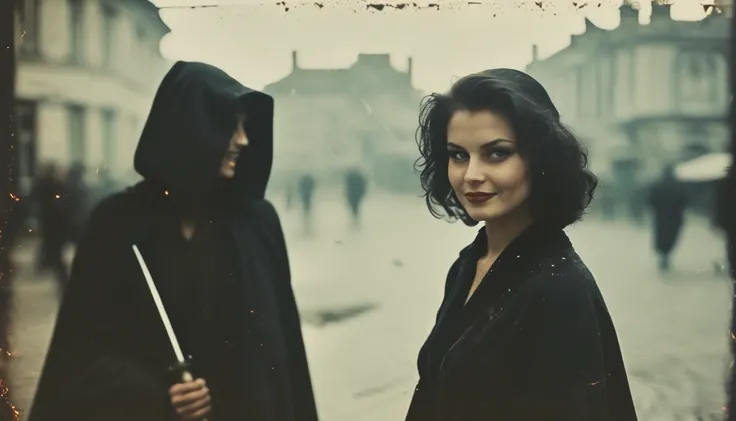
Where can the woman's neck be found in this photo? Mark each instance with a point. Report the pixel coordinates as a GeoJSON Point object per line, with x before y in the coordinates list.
{"type": "Point", "coordinates": [502, 231]}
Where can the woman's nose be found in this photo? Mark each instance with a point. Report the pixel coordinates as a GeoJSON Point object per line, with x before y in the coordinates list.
{"type": "Point", "coordinates": [241, 138]}
{"type": "Point", "coordinates": [473, 173]}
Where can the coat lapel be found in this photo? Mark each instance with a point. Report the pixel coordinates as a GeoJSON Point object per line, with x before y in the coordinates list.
{"type": "Point", "coordinates": [498, 288]}
{"type": "Point", "coordinates": [505, 282]}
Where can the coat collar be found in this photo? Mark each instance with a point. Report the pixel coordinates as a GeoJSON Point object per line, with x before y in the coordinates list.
{"type": "Point", "coordinates": [536, 239]}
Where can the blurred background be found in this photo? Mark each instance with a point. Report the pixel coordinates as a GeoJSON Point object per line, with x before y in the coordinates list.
{"type": "Point", "coordinates": [644, 85]}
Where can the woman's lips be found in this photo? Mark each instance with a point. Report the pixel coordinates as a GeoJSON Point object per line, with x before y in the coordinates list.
{"type": "Point", "coordinates": [231, 157]}
{"type": "Point", "coordinates": [477, 198]}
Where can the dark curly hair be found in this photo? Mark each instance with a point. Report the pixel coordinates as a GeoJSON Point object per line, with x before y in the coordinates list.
{"type": "Point", "coordinates": [561, 185]}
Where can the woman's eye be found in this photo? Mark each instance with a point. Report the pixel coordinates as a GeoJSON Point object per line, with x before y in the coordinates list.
{"type": "Point", "coordinates": [500, 153]}
{"type": "Point", "coordinates": [457, 155]}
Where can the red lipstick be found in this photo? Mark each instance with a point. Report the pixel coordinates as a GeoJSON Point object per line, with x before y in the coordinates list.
{"type": "Point", "coordinates": [477, 198]}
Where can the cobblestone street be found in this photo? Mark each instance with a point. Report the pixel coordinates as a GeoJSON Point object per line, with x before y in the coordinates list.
{"type": "Point", "coordinates": [366, 317]}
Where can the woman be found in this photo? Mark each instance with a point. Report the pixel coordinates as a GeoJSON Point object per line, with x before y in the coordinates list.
{"type": "Point", "coordinates": [523, 333]}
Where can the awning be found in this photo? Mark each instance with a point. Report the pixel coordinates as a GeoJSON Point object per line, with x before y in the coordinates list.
{"type": "Point", "coordinates": [710, 167]}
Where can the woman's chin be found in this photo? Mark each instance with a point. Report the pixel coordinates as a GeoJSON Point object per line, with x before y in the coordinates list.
{"type": "Point", "coordinates": [489, 213]}
{"type": "Point", "coordinates": [480, 213]}
{"type": "Point", "coordinates": [227, 173]}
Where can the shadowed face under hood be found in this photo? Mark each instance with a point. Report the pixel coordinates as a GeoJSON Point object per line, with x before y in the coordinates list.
{"type": "Point", "coordinates": [188, 132]}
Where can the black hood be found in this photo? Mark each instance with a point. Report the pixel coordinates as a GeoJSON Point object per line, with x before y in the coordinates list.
{"type": "Point", "coordinates": [188, 132]}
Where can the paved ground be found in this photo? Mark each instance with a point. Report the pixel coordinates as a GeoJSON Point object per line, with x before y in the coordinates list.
{"type": "Point", "coordinates": [369, 298]}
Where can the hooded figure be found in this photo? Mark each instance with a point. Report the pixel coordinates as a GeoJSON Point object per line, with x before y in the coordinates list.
{"type": "Point", "coordinates": [216, 252]}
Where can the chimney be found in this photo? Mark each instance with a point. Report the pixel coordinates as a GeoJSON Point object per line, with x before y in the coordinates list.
{"type": "Point", "coordinates": [660, 11]}
{"type": "Point", "coordinates": [535, 52]}
{"type": "Point", "coordinates": [410, 67]}
{"type": "Point", "coordinates": [294, 64]}
{"type": "Point", "coordinates": [629, 14]}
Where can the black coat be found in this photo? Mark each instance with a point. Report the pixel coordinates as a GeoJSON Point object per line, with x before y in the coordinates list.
{"type": "Point", "coordinates": [109, 353]}
{"type": "Point", "coordinates": [534, 343]}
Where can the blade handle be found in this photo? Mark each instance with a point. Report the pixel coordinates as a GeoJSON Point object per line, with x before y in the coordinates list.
{"type": "Point", "coordinates": [182, 372]}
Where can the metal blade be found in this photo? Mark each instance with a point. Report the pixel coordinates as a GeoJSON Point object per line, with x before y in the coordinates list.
{"type": "Point", "coordinates": [159, 305]}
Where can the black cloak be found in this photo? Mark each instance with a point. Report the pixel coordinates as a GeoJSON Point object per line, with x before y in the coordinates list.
{"type": "Point", "coordinates": [535, 341]}
{"type": "Point", "coordinates": [109, 352]}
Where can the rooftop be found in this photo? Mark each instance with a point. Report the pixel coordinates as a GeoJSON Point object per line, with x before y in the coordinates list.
{"type": "Point", "coordinates": [371, 73]}
{"type": "Point", "coordinates": [715, 25]}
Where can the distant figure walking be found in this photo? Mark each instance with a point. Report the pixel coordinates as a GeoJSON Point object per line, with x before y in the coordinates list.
{"type": "Point", "coordinates": [307, 184]}
{"type": "Point", "coordinates": [79, 201]}
{"type": "Point", "coordinates": [106, 185]}
{"type": "Point", "coordinates": [355, 190]}
{"type": "Point", "coordinates": [668, 199]}
{"type": "Point", "coordinates": [50, 197]}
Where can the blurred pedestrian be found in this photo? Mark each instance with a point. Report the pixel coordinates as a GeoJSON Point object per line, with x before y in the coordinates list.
{"type": "Point", "coordinates": [668, 199]}
{"type": "Point", "coordinates": [51, 201]}
{"type": "Point", "coordinates": [355, 190]}
{"type": "Point", "coordinates": [307, 185]}
{"type": "Point", "coordinates": [79, 200]}
{"type": "Point", "coordinates": [106, 185]}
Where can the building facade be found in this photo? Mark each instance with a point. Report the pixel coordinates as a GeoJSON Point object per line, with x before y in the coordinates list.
{"type": "Point", "coordinates": [331, 120]}
{"type": "Point", "coordinates": [643, 96]}
{"type": "Point", "coordinates": [87, 71]}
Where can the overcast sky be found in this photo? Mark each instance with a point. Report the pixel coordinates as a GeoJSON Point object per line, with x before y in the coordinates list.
{"type": "Point", "coordinates": [252, 40]}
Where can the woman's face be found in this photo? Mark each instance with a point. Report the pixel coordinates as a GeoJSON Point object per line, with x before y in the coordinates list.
{"type": "Point", "coordinates": [486, 172]}
{"type": "Point", "coordinates": [238, 141]}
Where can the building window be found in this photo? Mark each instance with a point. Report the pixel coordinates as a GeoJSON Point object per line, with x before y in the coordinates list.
{"type": "Point", "coordinates": [76, 26]}
{"type": "Point", "coordinates": [594, 93]}
{"type": "Point", "coordinates": [146, 45]}
{"type": "Point", "coordinates": [109, 16]}
{"type": "Point", "coordinates": [140, 42]}
{"type": "Point", "coordinates": [109, 120]}
{"type": "Point", "coordinates": [25, 112]}
{"type": "Point", "coordinates": [579, 92]}
{"type": "Point", "coordinates": [77, 132]}
{"type": "Point", "coordinates": [603, 81]}
{"type": "Point", "coordinates": [28, 16]}
{"type": "Point", "coordinates": [697, 77]}
{"type": "Point", "coordinates": [610, 84]}
{"type": "Point", "coordinates": [140, 34]}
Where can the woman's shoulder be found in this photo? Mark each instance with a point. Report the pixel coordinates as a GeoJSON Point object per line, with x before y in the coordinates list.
{"type": "Point", "coordinates": [260, 212]}
{"type": "Point", "coordinates": [265, 209]}
{"type": "Point", "coordinates": [118, 213]}
{"type": "Point", "coordinates": [118, 204]}
{"type": "Point", "coordinates": [563, 279]}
